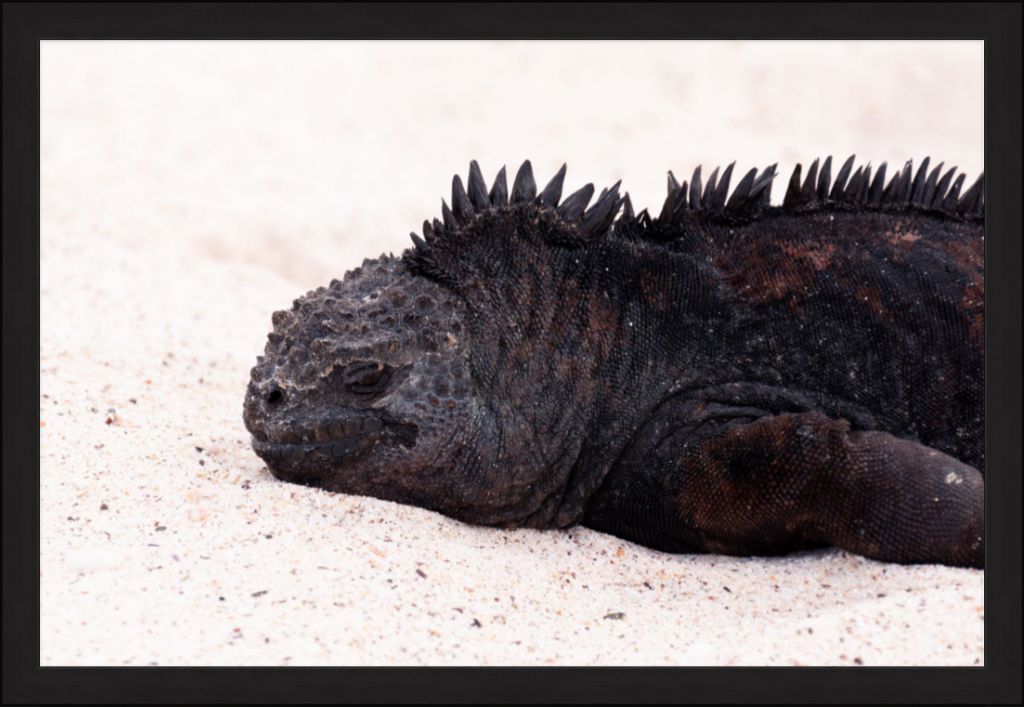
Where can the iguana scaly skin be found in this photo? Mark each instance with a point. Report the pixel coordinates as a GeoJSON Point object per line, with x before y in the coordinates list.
{"type": "Point", "coordinates": [727, 377]}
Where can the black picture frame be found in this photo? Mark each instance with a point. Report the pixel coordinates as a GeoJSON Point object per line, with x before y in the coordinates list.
{"type": "Point", "coordinates": [25, 24]}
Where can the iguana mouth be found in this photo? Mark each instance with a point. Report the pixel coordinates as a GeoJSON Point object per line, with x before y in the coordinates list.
{"type": "Point", "coordinates": [342, 438]}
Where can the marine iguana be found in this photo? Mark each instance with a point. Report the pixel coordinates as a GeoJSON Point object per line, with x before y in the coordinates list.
{"type": "Point", "coordinates": [728, 377]}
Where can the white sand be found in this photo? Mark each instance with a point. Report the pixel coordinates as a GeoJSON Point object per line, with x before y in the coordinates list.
{"type": "Point", "coordinates": [188, 190]}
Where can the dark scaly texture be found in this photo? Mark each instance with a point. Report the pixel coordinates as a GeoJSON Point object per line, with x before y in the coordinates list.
{"type": "Point", "coordinates": [728, 377]}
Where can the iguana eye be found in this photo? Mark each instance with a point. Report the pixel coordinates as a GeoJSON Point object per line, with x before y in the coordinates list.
{"type": "Point", "coordinates": [366, 377]}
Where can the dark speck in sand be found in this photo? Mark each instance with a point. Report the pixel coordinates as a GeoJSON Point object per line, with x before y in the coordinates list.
{"type": "Point", "coordinates": [615, 615]}
{"type": "Point", "coordinates": [104, 506]}
{"type": "Point", "coordinates": [476, 624]}
{"type": "Point", "coordinates": [421, 573]}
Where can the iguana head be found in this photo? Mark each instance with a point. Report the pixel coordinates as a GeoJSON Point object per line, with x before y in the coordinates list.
{"type": "Point", "coordinates": [452, 378]}
{"type": "Point", "coordinates": [364, 385]}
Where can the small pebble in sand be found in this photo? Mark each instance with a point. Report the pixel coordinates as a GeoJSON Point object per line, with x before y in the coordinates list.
{"type": "Point", "coordinates": [615, 615]}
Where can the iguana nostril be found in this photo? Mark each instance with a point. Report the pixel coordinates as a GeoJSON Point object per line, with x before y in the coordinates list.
{"type": "Point", "coordinates": [275, 396]}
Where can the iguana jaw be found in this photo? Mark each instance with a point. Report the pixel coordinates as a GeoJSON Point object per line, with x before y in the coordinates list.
{"type": "Point", "coordinates": [334, 441]}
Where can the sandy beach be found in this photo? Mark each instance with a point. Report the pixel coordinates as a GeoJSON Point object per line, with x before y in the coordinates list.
{"type": "Point", "coordinates": [190, 189]}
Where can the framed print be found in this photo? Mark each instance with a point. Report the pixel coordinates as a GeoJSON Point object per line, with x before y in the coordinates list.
{"type": "Point", "coordinates": [704, 363]}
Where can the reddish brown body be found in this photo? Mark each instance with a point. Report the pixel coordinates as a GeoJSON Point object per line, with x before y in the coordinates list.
{"type": "Point", "coordinates": [728, 377]}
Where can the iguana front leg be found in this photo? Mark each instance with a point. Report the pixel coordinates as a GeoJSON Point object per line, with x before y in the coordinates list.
{"type": "Point", "coordinates": [777, 483]}
{"type": "Point", "coordinates": [805, 477]}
